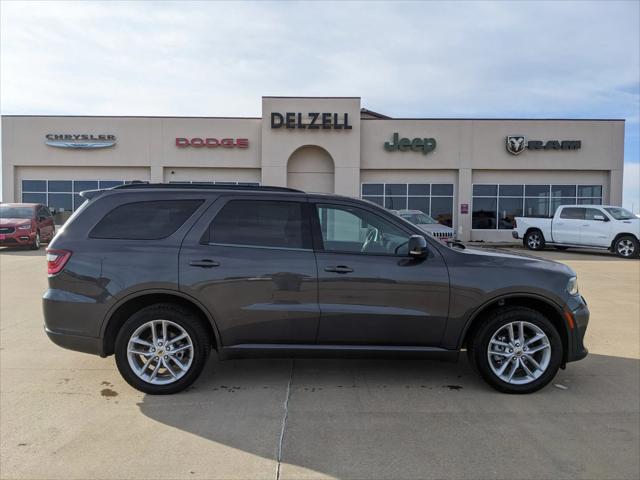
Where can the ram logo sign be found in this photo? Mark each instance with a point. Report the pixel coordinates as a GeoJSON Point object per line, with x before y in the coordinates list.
{"type": "Point", "coordinates": [516, 144]}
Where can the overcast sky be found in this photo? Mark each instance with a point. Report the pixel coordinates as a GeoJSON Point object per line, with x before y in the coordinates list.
{"type": "Point", "coordinates": [426, 59]}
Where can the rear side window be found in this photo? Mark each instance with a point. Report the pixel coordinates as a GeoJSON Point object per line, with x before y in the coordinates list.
{"type": "Point", "coordinates": [572, 213]}
{"type": "Point", "coordinates": [145, 220]}
{"type": "Point", "coordinates": [262, 224]}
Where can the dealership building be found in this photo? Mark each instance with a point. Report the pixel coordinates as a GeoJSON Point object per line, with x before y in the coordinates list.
{"type": "Point", "coordinates": [475, 175]}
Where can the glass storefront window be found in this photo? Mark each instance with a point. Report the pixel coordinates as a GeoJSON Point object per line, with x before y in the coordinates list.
{"type": "Point", "coordinates": [433, 199]}
{"type": "Point", "coordinates": [527, 201]}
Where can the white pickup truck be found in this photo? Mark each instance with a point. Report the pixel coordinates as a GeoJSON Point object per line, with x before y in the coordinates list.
{"type": "Point", "coordinates": [587, 226]}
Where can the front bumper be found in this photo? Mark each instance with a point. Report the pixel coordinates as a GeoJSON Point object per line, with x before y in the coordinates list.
{"type": "Point", "coordinates": [576, 349]}
{"type": "Point", "coordinates": [17, 238]}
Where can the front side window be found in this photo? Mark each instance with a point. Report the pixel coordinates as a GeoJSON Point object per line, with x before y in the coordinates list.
{"type": "Point", "coordinates": [354, 230]}
{"type": "Point", "coordinates": [261, 223]}
{"type": "Point", "coordinates": [151, 220]}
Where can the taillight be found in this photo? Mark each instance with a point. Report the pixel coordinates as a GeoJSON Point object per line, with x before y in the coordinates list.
{"type": "Point", "coordinates": [56, 260]}
{"type": "Point", "coordinates": [515, 224]}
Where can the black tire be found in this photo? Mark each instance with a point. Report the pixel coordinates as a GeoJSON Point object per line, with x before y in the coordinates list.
{"type": "Point", "coordinates": [561, 248]}
{"type": "Point", "coordinates": [478, 345]}
{"type": "Point", "coordinates": [179, 315]}
{"type": "Point", "coordinates": [534, 240]}
{"type": "Point", "coordinates": [626, 246]}
{"type": "Point", "coordinates": [37, 242]}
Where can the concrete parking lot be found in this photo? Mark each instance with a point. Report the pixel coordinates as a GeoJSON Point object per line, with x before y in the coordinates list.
{"type": "Point", "coordinates": [67, 415]}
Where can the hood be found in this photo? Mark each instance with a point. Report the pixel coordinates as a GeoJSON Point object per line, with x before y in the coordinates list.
{"type": "Point", "coordinates": [517, 259]}
{"type": "Point", "coordinates": [13, 222]}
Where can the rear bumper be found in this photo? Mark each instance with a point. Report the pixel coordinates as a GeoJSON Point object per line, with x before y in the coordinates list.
{"type": "Point", "coordinates": [76, 342]}
{"type": "Point", "coordinates": [577, 350]}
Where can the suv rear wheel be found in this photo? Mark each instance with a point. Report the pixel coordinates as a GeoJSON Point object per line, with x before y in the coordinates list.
{"type": "Point", "coordinates": [162, 349]}
{"type": "Point", "coordinates": [516, 350]}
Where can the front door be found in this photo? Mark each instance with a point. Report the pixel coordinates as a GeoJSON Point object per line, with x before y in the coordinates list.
{"type": "Point", "coordinates": [370, 291]}
{"type": "Point", "coordinates": [596, 229]}
{"type": "Point", "coordinates": [250, 261]}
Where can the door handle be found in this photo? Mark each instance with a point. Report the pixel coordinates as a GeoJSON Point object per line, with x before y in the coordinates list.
{"type": "Point", "coordinates": [339, 269]}
{"type": "Point", "coordinates": [204, 263]}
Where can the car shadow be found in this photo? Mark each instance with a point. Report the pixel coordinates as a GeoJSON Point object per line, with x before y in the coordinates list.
{"type": "Point", "coordinates": [412, 418]}
{"type": "Point", "coordinates": [23, 251]}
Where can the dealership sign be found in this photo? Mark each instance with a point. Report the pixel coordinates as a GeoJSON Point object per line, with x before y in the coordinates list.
{"type": "Point", "coordinates": [424, 145]}
{"type": "Point", "coordinates": [516, 144]}
{"type": "Point", "coordinates": [85, 141]}
{"type": "Point", "coordinates": [311, 120]}
{"type": "Point", "coordinates": [209, 142]}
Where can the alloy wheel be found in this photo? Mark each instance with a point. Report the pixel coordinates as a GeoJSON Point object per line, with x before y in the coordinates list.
{"type": "Point", "coordinates": [625, 247]}
{"type": "Point", "coordinates": [533, 240]}
{"type": "Point", "coordinates": [519, 353]}
{"type": "Point", "coordinates": [160, 352]}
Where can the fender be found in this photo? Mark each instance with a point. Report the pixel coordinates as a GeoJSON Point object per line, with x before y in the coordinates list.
{"type": "Point", "coordinates": [497, 298]}
{"type": "Point", "coordinates": [151, 291]}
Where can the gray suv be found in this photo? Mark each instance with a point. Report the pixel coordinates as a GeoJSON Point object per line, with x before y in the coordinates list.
{"type": "Point", "coordinates": [161, 274]}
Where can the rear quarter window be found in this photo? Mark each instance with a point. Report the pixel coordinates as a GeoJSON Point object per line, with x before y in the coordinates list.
{"type": "Point", "coordinates": [150, 220]}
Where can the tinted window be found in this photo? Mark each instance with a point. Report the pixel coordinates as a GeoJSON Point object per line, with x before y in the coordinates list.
{"type": "Point", "coordinates": [355, 230]}
{"type": "Point", "coordinates": [511, 190]}
{"type": "Point", "coordinates": [34, 185]}
{"type": "Point", "coordinates": [109, 183]}
{"type": "Point", "coordinates": [590, 190]}
{"type": "Point", "coordinates": [261, 223]}
{"type": "Point", "coordinates": [536, 207]}
{"type": "Point", "coordinates": [536, 190]}
{"type": "Point", "coordinates": [145, 220]}
{"type": "Point", "coordinates": [395, 189]}
{"type": "Point", "coordinates": [563, 190]}
{"type": "Point", "coordinates": [34, 198]}
{"type": "Point", "coordinates": [508, 209]}
{"type": "Point", "coordinates": [418, 203]}
{"type": "Point", "coordinates": [593, 214]}
{"type": "Point", "coordinates": [484, 213]}
{"type": "Point", "coordinates": [372, 189]}
{"type": "Point", "coordinates": [485, 190]}
{"type": "Point", "coordinates": [442, 189]}
{"type": "Point", "coordinates": [572, 213]}
{"type": "Point", "coordinates": [376, 200]}
{"type": "Point", "coordinates": [442, 210]}
{"type": "Point", "coordinates": [419, 189]}
{"type": "Point", "coordinates": [395, 203]}
{"type": "Point", "coordinates": [82, 185]}
{"type": "Point", "coordinates": [59, 185]}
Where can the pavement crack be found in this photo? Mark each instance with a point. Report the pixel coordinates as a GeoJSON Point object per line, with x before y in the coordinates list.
{"type": "Point", "coordinates": [284, 420]}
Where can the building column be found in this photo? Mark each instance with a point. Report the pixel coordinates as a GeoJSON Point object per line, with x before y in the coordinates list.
{"type": "Point", "coordinates": [465, 181]}
{"type": "Point", "coordinates": [615, 188]}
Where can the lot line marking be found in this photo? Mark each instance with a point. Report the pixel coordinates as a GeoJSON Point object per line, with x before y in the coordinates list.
{"type": "Point", "coordinates": [284, 420]}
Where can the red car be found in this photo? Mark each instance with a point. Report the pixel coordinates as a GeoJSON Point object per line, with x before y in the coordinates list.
{"type": "Point", "coordinates": [27, 224]}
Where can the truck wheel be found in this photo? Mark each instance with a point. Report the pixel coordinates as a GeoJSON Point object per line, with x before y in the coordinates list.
{"type": "Point", "coordinates": [516, 350]}
{"type": "Point", "coordinates": [534, 240]}
{"type": "Point", "coordinates": [627, 247]}
{"type": "Point", "coordinates": [162, 349]}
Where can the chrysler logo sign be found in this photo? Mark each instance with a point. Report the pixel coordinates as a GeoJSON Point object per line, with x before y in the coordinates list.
{"type": "Point", "coordinates": [516, 144]}
{"type": "Point", "coordinates": [85, 141]}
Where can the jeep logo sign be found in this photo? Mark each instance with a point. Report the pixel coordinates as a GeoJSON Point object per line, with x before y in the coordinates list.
{"type": "Point", "coordinates": [424, 145]}
{"type": "Point", "coordinates": [516, 144]}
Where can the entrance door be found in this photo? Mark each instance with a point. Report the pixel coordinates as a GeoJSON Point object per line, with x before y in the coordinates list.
{"type": "Point", "coordinates": [370, 290]}
{"type": "Point", "coordinates": [250, 261]}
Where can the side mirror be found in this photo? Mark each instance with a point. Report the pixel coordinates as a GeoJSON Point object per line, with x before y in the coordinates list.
{"type": "Point", "coordinates": [417, 246]}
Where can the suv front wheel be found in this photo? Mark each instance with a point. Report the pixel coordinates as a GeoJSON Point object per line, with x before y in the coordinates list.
{"type": "Point", "coordinates": [162, 349]}
{"type": "Point", "coordinates": [516, 350]}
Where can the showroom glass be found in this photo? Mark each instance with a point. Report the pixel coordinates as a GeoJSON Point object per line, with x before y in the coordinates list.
{"type": "Point", "coordinates": [434, 199]}
{"type": "Point", "coordinates": [495, 206]}
{"type": "Point", "coordinates": [150, 220]}
{"type": "Point", "coordinates": [347, 229]}
{"type": "Point", "coordinates": [261, 223]}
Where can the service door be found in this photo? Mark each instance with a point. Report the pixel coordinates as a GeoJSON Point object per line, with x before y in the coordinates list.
{"type": "Point", "coordinates": [370, 291]}
{"type": "Point", "coordinates": [250, 261]}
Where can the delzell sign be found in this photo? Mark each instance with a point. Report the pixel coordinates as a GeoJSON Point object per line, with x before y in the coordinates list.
{"type": "Point", "coordinates": [198, 142]}
{"type": "Point", "coordinates": [85, 141]}
{"type": "Point", "coordinates": [424, 145]}
{"type": "Point", "coordinates": [311, 120]}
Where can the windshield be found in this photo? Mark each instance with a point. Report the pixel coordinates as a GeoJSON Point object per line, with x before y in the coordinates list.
{"type": "Point", "coordinates": [620, 213]}
{"type": "Point", "coordinates": [418, 218]}
{"type": "Point", "coordinates": [16, 212]}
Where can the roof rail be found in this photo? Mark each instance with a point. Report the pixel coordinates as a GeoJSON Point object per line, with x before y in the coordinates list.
{"type": "Point", "coordinates": [202, 186]}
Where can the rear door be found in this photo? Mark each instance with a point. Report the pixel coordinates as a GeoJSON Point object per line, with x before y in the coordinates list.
{"type": "Point", "coordinates": [567, 227]}
{"type": "Point", "coordinates": [250, 260]}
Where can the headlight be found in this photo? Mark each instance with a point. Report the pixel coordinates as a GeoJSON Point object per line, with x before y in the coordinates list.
{"type": "Point", "coordinates": [572, 286]}
{"type": "Point", "coordinates": [25, 227]}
